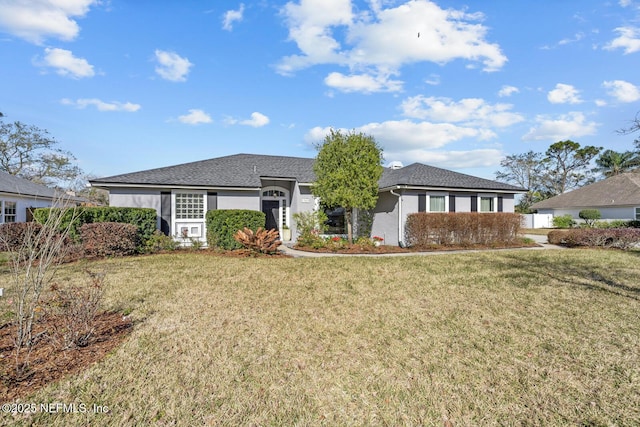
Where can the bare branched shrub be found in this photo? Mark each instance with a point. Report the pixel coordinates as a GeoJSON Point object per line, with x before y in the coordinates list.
{"type": "Point", "coordinates": [263, 241]}
{"type": "Point", "coordinates": [33, 265]}
{"type": "Point", "coordinates": [75, 309]}
{"type": "Point", "coordinates": [461, 229]}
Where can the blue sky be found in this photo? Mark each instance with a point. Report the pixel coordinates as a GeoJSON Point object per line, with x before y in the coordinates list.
{"type": "Point", "coordinates": [137, 84]}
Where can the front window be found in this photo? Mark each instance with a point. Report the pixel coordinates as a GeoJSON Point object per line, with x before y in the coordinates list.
{"type": "Point", "coordinates": [437, 204]}
{"type": "Point", "coordinates": [189, 206]}
{"type": "Point", "coordinates": [335, 223]}
{"type": "Point", "coordinates": [637, 214]}
{"type": "Point", "coordinates": [487, 204]}
{"type": "Point", "coordinates": [9, 211]}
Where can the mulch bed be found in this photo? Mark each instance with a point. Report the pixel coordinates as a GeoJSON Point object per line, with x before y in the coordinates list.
{"type": "Point", "coordinates": [48, 363]}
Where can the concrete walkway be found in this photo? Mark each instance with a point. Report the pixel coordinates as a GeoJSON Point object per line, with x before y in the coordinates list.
{"type": "Point", "coordinates": [540, 240]}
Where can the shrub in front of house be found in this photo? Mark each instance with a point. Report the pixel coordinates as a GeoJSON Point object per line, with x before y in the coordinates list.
{"type": "Point", "coordinates": [618, 238]}
{"type": "Point", "coordinates": [14, 234]}
{"type": "Point", "coordinates": [222, 224]}
{"type": "Point", "coordinates": [590, 216]}
{"type": "Point", "coordinates": [104, 239]}
{"type": "Point", "coordinates": [145, 219]}
{"type": "Point", "coordinates": [461, 229]}
{"type": "Point", "coordinates": [563, 221]}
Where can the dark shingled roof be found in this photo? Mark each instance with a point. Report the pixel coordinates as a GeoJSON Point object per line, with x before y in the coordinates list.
{"type": "Point", "coordinates": [239, 170]}
{"type": "Point", "coordinates": [419, 175]}
{"type": "Point", "coordinates": [13, 184]}
{"type": "Point", "coordinates": [623, 189]}
{"type": "Point", "coordinates": [246, 170]}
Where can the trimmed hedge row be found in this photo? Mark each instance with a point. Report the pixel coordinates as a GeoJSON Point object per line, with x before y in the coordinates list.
{"type": "Point", "coordinates": [143, 218]}
{"type": "Point", "coordinates": [104, 239]}
{"type": "Point", "coordinates": [222, 224]}
{"type": "Point", "coordinates": [619, 238]}
{"type": "Point", "coordinates": [14, 234]}
{"type": "Point", "coordinates": [461, 229]}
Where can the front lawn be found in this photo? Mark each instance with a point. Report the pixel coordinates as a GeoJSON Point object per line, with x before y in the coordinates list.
{"type": "Point", "coordinates": [494, 338]}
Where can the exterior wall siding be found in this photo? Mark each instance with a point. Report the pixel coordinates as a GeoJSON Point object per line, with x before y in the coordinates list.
{"type": "Point", "coordinates": [301, 201]}
{"type": "Point", "coordinates": [385, 219]}
{"type": "Point", "coordinates": [239, 200]}
{"type": "Point", "coordinates": [136, 198]}
{"type": "Point", "coordinates": [22, 204]}
{"type": "Point", "coordinates": [620, 212]}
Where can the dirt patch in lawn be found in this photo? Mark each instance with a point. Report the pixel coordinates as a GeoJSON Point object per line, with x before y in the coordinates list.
{"type": "Point", "coordinates": [50, 363]}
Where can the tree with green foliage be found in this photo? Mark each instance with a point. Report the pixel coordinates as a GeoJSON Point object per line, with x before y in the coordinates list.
{"type": "Point", "coordinates": [612, 163]}
{"type": "Point", "coordinates": [29, 152]}
{"type": "Point", "coordinates": [590, 216]}
{"type": "Point", "coordinates": [348, 168]}
{"type": "Point", "coordinates": [566, 167]}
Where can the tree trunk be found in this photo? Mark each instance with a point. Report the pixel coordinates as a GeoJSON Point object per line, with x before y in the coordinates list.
{"type": "Point", "coordinates": [347, 218]}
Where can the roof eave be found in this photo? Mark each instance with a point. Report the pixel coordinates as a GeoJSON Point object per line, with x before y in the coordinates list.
{"type": "Point", "coordinates": [107, 185]}
{"type": "Point", "coordinates": [436, 188]}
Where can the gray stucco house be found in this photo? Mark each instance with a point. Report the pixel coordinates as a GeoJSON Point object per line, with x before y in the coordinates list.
{"type": "Point", "coordinates": [617, 197]}
{"type": "Point", "coordinates": [18, 196]}
{"type": "Point", "coordinates": [281, 186]}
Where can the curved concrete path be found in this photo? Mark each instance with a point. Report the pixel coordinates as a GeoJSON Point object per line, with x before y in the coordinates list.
{"type": "Point", "coordinates": [540, 240]}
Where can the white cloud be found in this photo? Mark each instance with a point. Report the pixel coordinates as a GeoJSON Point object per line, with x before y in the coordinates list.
{"type": "Point", "coordinates": [195, 117]}
{"type": "Point", "coordinates": [470, 111]}
{"type": "Point", "coordinates": [232, 16]}
{"type": "Point", "coordinates": [36, 20]}
{"type": "Point", "coordinates": [506, 91]}
{"type": "Point", "coordinates": [566, 126]}
{"type": "Point", "coordinates": [362, 83]}
{"type": "Point", "coordinates": [257, 120]}
{"type": "Point", "coordinates": [380, 41]}
{"type": "Point", "coordinates": [402, 135]}
{"type": "Point", "coordinates": [172, 66]}
{"type": "Point", "coordinates": [65, 63]}
{"type": "Point", "coordinates": [622, 91]}
{"type": "Point", "coordinates": [100, 105]}
{"type": "Point", "coordinates": [564, 94]}
{"type": "Point", "coordinates": [628, 39]}
{"type": "Point", "coordinates": [485, 157]}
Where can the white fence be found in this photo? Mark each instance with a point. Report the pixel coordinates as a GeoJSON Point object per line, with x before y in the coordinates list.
{"type": "Point", "coordinates": [537, 221]}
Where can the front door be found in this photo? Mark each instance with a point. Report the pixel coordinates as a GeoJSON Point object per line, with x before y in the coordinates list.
{"type": "Point", "coordinates": [270, 209]}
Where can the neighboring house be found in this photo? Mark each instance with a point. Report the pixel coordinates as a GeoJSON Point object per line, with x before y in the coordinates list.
{"type": "Point", "coordinates": [617, 197]}
{"type": "Point", "coordinates": [19, 196]}
{"type": "Point", "coordinates": [281, 186]}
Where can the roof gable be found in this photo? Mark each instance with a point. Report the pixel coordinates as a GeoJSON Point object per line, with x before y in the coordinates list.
{"type": "Point", "coordinates": [623, 189]}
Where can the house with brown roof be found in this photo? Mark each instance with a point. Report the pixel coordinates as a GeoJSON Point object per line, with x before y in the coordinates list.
{"type": "Point", "coordinates": [280, 186]}
{"type": "Point", "coordinates": [617, 197]}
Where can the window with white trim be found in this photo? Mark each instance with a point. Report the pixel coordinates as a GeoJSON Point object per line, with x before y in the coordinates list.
{"type": "Point", "coordinates": [9, 211]}
{"type": "Point", "coordinates": [487, 204]}
{"type": "Point", "coordinates": [189, 206]}
{"type": "Point", "coordinates": [638, 214]}
{"type": "Point", "coordinates": [437, 203]}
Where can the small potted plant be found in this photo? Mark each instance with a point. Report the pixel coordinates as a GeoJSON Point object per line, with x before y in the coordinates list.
{"type": "Point", "coordinates": [377, 240]}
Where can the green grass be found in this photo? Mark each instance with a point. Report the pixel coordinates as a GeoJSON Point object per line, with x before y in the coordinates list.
{"type": "Point", "coordinates": [494, 338]}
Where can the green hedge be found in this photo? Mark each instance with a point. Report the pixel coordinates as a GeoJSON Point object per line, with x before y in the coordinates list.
{"type": "Point", "coordinates": [144, 218]}
{"type": "Point", "coordinates": [222, 224]}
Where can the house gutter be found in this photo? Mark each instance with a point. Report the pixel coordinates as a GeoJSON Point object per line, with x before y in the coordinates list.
{"type": "Point", "coordinates": [399, 196]}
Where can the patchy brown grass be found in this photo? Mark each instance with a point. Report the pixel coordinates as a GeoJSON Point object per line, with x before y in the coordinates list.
{"type": "Point", "coordinates": [509, 337]}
